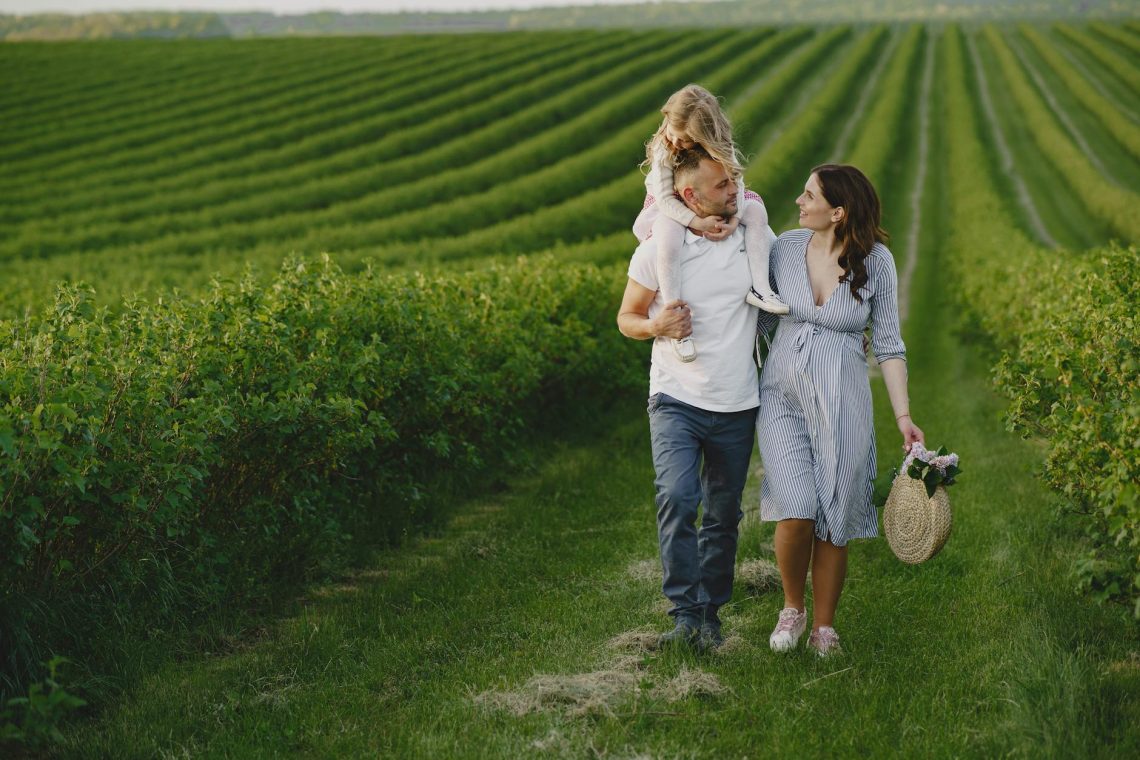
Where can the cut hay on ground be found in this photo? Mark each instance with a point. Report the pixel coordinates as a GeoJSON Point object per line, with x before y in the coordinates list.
{"type": "Point", "coordinates": [759, 576]}
{"type": "Point", "coordinates": [644, 570]}
{"type": "Point", "coordinates": [599, 693]}
{"type": "Point", "coordinates": [639, 640]}
{"type": "Point", "coordinates": [690, 682]}
{"type": "Point", "coordinates": [594, 693]}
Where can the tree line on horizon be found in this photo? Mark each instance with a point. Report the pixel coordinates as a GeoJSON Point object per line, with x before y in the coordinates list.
{"type": "Point", "coordinates": [178, 25]}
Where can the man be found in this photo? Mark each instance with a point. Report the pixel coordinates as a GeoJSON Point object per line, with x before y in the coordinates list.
{"type": "Point", "coordinates": [701, 410]}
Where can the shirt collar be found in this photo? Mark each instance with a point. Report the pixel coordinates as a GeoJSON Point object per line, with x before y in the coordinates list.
{"type": "Point", "coordinates": [702, 242]}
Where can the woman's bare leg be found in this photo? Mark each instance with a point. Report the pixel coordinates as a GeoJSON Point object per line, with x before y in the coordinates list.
{"type": "Point", "coordinates": [828, 571]}
{"type": "Point", "coordinates": [794, 539]}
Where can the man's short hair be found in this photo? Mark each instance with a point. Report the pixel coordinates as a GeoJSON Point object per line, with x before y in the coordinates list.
{"type": "Point", "coordinates": [687, 163]}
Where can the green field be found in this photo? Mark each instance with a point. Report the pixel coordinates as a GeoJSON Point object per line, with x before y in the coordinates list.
{"type": "Point", "coordinates": [210, 416]}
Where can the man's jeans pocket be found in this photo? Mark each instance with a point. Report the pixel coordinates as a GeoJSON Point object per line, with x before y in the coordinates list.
{"type": "Point", "coordinates": [657, 400]}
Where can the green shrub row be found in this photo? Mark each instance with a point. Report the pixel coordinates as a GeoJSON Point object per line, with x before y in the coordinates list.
{"type": "Point", "coordinates": [184, 453]}
{"type": "Point", "coordinates": [1114, 205]}
{"type": "Point", "coordinates": [1070, 339]}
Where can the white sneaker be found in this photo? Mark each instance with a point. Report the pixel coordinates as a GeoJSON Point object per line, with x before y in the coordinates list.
{"type": "Point", "coordinates": [769, 302]}
{"type": "Point", "coordinates": [685, 348]}
{"type": "Point", "coordinates": [789, 628]}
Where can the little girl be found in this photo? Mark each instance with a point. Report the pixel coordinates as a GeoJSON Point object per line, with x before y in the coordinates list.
{"type": "Point", "coordinates": [693, 116]}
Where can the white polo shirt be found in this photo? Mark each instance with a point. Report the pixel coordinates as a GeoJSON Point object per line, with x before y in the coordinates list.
{"type": "Point", "coordinates": [714, 280]}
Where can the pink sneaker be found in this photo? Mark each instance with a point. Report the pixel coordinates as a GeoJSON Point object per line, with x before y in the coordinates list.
{"type": "Point", "coordinates": [825, 641]}
{"type": "Point", "coordinates": [788, 630]}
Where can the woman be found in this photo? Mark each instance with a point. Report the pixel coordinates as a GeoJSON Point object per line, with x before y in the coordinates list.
{"type": "Point", "coordinates": [815, 428]}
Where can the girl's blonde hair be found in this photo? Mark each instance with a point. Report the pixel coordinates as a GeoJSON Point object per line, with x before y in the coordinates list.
{"type": "Point", "coordinates": [696, 113]}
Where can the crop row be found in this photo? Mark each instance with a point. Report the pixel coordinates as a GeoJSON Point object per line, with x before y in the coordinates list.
{"type": "Point", "coordinates": [801, 140]}
{"type": "Point", "coordinates": [599, 185]}
{"type": "Point", "coordinates": [238, 95]}
{"type": "Point", "coordinates": [1117, 64]}
{"type": "Point", "coordinates": [510, 191]}
{"type": "Point", "coordinates": [1115, 206]}
{"type": "Point", "coordinates": [1127, 42]}
{"type": "Point", "coordinates": [181, 100]}
{"type": "Point", "coordinates": [356, 139]}
{"type": "Point", "coordinates": [1110, 117]}
{"type": "Point", "coordinates": [129, 269]}
{"type": "Point", "coordinates": [608, 207]}
{"type": "Point", "coordinates": [1069, 359]}
{"type": "Point", "coordinates": [879, 139]}
{"type": "Point", "coordinates": [466, 146]}
{"type": "Point", "coordinates": [230, 116]}
{"type": "Point", "coordinates": [75, 80]}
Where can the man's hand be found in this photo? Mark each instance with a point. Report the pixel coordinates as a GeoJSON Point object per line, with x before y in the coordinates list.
{"type": "Point", "coordinates": [707, 225]}
{"type": "Point", "coordinates": [724, 230]}
{"type": "Point", "coordinates": [674, 321]}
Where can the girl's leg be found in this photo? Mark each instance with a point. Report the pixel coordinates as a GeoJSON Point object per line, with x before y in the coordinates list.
{"type": "Point", "coordinates": [670, 237]}
{"type": "Point", "coordinates": [757, 246]}
{"type": "Point", "coordinates": [828, 571]}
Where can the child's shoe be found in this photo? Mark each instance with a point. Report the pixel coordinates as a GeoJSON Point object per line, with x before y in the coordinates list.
{"type": "Point", "coordinates": [685, 348]}
{"type": "Point", "coordinates": [769, 302]}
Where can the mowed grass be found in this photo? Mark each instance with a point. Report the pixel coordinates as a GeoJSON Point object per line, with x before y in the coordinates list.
{"type": "Point", "coordinates": [438, 650]}
{"type": "Point", "coordinates": [984, 651]}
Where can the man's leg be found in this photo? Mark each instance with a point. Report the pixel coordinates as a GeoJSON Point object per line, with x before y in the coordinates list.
{"type": "Point", "coordinates": [676, 430]}
{"type": "Point", "coordinates": [727, 449]}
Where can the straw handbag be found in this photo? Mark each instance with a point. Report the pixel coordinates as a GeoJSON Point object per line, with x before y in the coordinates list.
{"type": "Point", "coordinates": [916, 525]}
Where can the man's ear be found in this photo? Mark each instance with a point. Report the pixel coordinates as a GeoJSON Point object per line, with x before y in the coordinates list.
{"type": "Point", "coordinates": [689, 195]}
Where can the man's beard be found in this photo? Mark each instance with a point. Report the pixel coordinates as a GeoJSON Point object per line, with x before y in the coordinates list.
{"type": "Point", "coordinates": [704, 208]}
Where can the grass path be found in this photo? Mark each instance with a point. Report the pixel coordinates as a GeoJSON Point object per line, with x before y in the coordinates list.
{"type": "Point", "coordinates": [982, 652]}
{"type": "Point", "coordinates": [518, 629]}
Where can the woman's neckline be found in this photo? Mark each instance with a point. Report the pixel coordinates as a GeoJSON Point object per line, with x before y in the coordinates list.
{"type": "Point", "coordinates": [807, 276]}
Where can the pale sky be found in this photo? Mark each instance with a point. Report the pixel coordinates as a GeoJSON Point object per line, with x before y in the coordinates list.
{"type": "Point", "coordinates": [280, 7]}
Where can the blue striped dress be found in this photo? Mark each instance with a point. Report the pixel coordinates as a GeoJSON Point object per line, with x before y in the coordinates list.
{"type": "Point", "coordinates": [815, 429]}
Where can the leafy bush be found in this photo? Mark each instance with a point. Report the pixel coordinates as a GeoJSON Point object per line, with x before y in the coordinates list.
{"type": "Point", "coordinates": [1074, 377]}
{"type": "Point", "coordinates": [33, 721]}
{"type": "Point", "coordinates": [1066, 326]}
{"type": "Point", "coordinates": [189, 451]}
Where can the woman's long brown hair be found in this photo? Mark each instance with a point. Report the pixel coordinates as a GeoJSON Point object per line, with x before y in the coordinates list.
{"type": "Point", "coordinates": [859, 229]}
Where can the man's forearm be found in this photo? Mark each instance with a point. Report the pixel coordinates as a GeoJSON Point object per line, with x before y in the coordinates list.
{"type": "Point", "coordinates": [636, 326]}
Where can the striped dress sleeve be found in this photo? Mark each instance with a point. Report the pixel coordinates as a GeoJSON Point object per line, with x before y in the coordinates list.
{"type": "Point", "coordinates": [886, 336]}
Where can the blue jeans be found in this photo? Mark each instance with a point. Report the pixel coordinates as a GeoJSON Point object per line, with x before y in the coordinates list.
{"type": "Point", "coordinates": [698, 567]}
